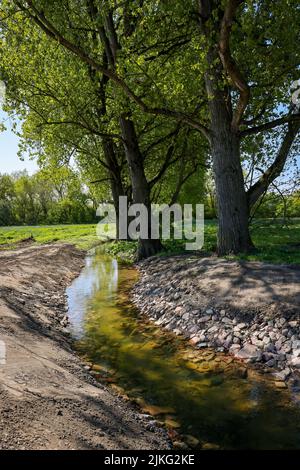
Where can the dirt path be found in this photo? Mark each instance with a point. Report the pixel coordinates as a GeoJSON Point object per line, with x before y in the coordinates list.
{"type": "Point", "coordinates": [47, 399]}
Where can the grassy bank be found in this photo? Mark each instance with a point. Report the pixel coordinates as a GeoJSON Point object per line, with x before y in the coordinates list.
{"type": "Point", "coordinates": [82, 236]}
{"type": "Point", "coordinates": [275, 242]}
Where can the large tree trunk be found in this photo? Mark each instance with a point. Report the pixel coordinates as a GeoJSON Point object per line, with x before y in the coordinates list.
{"type": "Point", "coordinates": [116, 183]}
{"type": "Point", "coordinates": [140, 186]}
{"type": "Point", "coordinates": [232, 205]}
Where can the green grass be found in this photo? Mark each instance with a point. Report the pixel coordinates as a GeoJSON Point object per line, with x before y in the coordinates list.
{"type": "Point", "coordinates": [82, 236]}
{"type": "Point", "coordinates": [274, 242]}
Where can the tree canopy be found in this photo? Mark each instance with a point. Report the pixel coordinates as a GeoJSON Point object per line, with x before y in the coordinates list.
{"type": "Point", "coordinates": [146, 95]}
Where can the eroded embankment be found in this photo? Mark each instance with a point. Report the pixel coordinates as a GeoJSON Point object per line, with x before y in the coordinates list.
{"type": "Point", "coordinates": [249, 309]}
{"type": "Point", "coordinates": [48, 400]}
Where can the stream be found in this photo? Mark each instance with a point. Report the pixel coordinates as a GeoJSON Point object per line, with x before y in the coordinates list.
{"type": "Point", "coordinates": [203, 398]}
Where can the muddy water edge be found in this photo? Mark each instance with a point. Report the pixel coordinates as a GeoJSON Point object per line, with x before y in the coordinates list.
{"type": "Point", "coordinates": [205, 399]}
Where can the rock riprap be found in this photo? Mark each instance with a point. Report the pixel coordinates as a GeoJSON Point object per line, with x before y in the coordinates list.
{"type": "Point", "coordinates": [172, 292]}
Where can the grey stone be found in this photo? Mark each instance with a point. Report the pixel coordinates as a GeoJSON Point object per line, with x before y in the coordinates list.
{"type": "Point", "coordinates": [238, 334]}
{"type": "Point", "coordinates": [196, 312]}
{"type": "Point", "coordinates": [204, 318]}
{"type": "Point", "coordinates": [283, 374]}
{"type": "Point", "coordinates": [271, 363]}
{"type": "Point", "coordinates": [239, 326]}
{"type": "Point", "coordinates": [193, 329]}
{"type": "Point", "coordinates": [267, 356]}
{"type": "Point", "coordinates": [257, 342]}
{"type": "Point", "coordinates": [221, 337]}
{"type": "Point", "coordinates": [295, 362]}
{"type": "Point", "coordinates": [212, 329]}
{"type": "Point", "coordinates": [266, 340]}
{"type": "Point", "coordinates": [228, 342]}
{"type": "Point", "coordinates": [286, 347]}
{"type": "Point", "coordinates": [270, 347]}
{"type": "Point", "coordinates": [209, 311]}
{"type": "Point", "coordinates": [273, 335]}
{"type": "Point", "coordinates": [249, 351]}
{"type": "Point", "coordinates": [280, 357]}
{"type": "Point", "coordinates": [178, 310]}
{"type": "Point", "coordinates": [234, 348]}
{"type": "Point", "coordinates": [202, 332]}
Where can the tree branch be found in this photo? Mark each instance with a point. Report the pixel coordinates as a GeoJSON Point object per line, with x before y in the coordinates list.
{"type": "Point", "coordinates": [102, 180]}
{"type": "Point", "coordinates": [271, 124]}
{"type": "Point", "coordinates": [162, 139]}
{"type": "Point", "coordinates": [229, 64]}
{"type": "Point", "coordinates": [80, 124]}
{"type": "Point", "coordinates": [274, 170]}
{"type": "Point", "coordinates": [168, 162]}
{"type": "Point", "coordinates": [49, 29]}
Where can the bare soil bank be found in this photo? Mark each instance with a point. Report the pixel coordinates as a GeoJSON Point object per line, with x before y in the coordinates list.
{"type": "Point", "coordinates": [47, 398]}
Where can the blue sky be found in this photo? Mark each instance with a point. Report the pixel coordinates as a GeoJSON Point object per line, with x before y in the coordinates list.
{"type": "Point", "coordinates": [9, 161]}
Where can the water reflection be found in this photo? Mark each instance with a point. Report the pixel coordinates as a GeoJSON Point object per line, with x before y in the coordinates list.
{"type": "Point", "coordinates": [94, 276]}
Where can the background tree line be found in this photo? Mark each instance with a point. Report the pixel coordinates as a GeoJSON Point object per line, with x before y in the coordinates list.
{"type": "Point", "coordinates": [64, 197]}
{"type": "Point", "coordinates": [40, 199]}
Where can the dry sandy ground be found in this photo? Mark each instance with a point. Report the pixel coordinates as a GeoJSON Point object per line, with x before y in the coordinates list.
{"type": "Point", "coordinates": [47, 399]}
{"type": "Point", "coordinates": [237, 286]}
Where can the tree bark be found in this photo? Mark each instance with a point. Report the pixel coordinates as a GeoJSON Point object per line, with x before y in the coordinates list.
{"type": "Point", "coordinates": [140, 187]}
{"type": "Point", "coordinates": [116, 183]}
{"type": "Point", "coordinates": [232, 206]}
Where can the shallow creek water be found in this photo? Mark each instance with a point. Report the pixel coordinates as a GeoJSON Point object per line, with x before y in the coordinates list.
{"type": "Point", "coordinates": [201, 395]}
